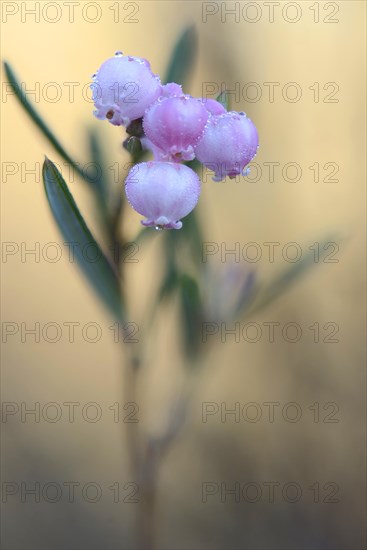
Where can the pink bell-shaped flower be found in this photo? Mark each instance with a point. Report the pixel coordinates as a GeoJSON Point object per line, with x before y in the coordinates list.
{"type": "Point", "coordinates": [174, 125]}
{"type": "Point", "coordinates": [123, 88]}
{"type": "Point", "coordinates": [228, 144]}
{"type": "Point", "coordinates": [163, 192]}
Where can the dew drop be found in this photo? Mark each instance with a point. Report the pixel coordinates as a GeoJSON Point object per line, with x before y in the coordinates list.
{"type": "Point", "coordinates": [109, 114]}
{"type": "Point", "coordinates": [158, 228]}
{"type": "Point", "coordinates": [94, 76]}
{"type": "Point", "coordinates": [118, 54]}
{"type": "Point", "coordinates": [242, 113]}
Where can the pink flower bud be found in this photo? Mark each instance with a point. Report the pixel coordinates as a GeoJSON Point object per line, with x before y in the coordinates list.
{"type": "Point", "coordinates": [171, 90]}
{"type": "Point", "coordinates": [123, 88]}
{"type": "Point", "coordinates": [174, 124]}
{"type": "Point", "coordinates": [213, 106]}
{"type": "Point", "coordinates": [164, 192]}
{"type": "Point", "coordinates": [228, 144]}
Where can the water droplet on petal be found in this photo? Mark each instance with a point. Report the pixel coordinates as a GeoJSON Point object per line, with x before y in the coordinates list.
{"type": "Point", "coordinates": [118, 54]}
{"type": "Point", "coordinates": [158, 228]}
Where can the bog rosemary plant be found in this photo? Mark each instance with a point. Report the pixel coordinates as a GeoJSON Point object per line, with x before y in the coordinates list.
{"type": "Point", "coordinates": [169, 135]}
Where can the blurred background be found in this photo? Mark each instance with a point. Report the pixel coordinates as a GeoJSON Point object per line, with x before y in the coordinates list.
{"type": "Point", "coordinates": [320, 48]}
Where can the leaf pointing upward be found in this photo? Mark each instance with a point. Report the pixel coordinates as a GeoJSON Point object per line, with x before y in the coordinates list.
{"type": "Point", "coordinates": [97, 268]}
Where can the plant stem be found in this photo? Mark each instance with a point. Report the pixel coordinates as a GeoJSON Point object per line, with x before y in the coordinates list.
{"type": "Point", "coordinates": [147, 506]}
{"type": "Point", "coordinates": [130, 396]}
{"type": "Point", "coordinates": [153, 456]}
{"type": "Point", "coordinates": [146, 454]}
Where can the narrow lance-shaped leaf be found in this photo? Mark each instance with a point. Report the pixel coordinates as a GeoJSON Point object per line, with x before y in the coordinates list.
{"type": "Point", "coordinates": [280, 284]}
{"type": "Point", "coordinates": [170, 280]}
{"type": "Point", "coordinates": [183, 57]}
{"type": "Point", "coordinates": [103, 189]}
{"type": "Point", "coordinates": [192, 229]}
{"type": "Point", "coordinates": [142, 234]}
{"type": "Point", "coordinates": [38, 120]}
{"type": "Point", "coordinates": [191, 315]}
{"type": "Point", "coordinates": [100, 179]}
{"type": "Point", "coordinates": [246, 295]}
{"type": "Point", "coordinates": [98, 269]}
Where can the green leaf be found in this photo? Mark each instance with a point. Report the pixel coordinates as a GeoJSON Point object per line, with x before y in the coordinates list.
{"type": "Point", "coordinates": [142, 234]}
{"type": "Point", "coordinates": [194, 165]}
{"type": "Point", "coordinates": [246, 295]}
{"type": "Point", "coordinates": [191, 232]}
{"type": "Point", "coordinates": [191, 315]}
{"type": "Point", "coordinates": [183, 57]}
{"type": "Point", "coordinates": [102, 188]}
{"type": "Point", "coordinates": [194, 236]}
{"type": "Point", "coordinates": [188, 238]}
{"type": "Point", "coordinates": [133, 145]}
{"type": "Point", "coordinates": [100, 180]}
{"type": "Point", "coordinates": [170, 280]}
{"type": "Point", "coordinates": [100, 273]}
{"type": "Point", "coordinates": [223, 99]}
{"type": "Point", "coordinates": [282, 282]}
{"type": "Point", "coordinates": [37, 119]}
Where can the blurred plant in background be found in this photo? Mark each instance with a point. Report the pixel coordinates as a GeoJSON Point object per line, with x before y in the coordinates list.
{"type": "Point", "coordinates": [206, 293]}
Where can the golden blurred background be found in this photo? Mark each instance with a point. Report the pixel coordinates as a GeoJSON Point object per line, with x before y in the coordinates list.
{"type": "Point", "coordinates": [319, 46]}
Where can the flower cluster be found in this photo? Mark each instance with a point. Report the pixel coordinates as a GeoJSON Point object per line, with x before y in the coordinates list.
{"type": "Point", "coordinates": [176, 128]}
